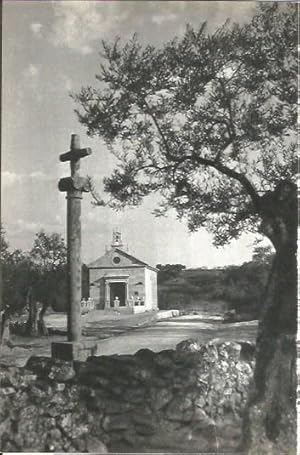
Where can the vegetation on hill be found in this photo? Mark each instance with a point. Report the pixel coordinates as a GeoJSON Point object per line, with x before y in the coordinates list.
{"type": "Point", "coordinates": [238, 288]}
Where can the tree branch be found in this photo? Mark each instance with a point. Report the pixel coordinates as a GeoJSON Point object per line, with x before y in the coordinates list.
{"type": "Point", "coordinates": [229, 107]}
{"type": "Point", "coordinates": [247, 185]}
{"type": "Point", "coordinates": [97, 198]}
{"type": "Point", "coordinates": [158, 127]}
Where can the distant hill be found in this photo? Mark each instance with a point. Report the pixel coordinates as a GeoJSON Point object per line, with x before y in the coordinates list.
{"type": "Point", "coordinates": [214, 290]}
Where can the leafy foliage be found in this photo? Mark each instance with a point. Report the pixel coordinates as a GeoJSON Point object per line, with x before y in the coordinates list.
{"type": "Point", "coordinates": [49, 252]}
{"type": "Point", "coordinates": [263, 255]}
{"type": "Point", "coordinates": [243, 287]}
{"type": "Point", "coordinates": [207, 120]}
{"type": "Point", "coordinates": [49, 257]}
{"type": "Point", "coordinates": [42, 269]}
{"type": "Point", "coordinates": [235, 287]}
{"type": "Point", "coordinates": [168, 271]}
{"type": "Point", "coordinates": [17, 275]}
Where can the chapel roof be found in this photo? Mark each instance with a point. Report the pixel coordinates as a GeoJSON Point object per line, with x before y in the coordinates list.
{"type": "Point", "coordinates": [105, 260]}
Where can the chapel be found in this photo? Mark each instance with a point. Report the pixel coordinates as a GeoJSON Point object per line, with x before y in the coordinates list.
{"type": "Point", "coordinates": [118, 280]}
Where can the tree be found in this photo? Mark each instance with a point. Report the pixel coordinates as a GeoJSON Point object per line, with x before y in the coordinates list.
{"type": "Point", "coordinates": [18, 275]}
{"type": "Point", "coordinates": [49, 251]}
{"type": "Point", "coordinates": [168, 271]}
{"type": "Point", "coordinates": [4, 253]}
{"type": "Point", "coordinates": [208, 121]}
{"type": "Point", "coordinates": [49, 256]}
{"type": "Point", "coordinates": [263, 254]}
{"type": "Point", "coordinates": [33, 278]}
{"type": "Point", "coordinates": [243, 287]}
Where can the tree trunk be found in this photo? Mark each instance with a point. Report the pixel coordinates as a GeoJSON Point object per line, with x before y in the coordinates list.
{"type": "Point", "coordinates": [4, 329]}
{"type": "Point", "coordinates": [42, 328]}
{"type": "Point", "coordinates": [31, 324]}
{"type": "Point", "coordinates": [270, 423]}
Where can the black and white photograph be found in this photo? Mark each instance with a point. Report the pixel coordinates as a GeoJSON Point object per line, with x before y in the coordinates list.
{"type": "Point", "coordinates": [148, 273]}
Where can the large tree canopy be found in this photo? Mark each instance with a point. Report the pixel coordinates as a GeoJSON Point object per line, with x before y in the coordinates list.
{"type": "Point", "coordinates": [208, 120]}
{"type": "Point", "coordinates": [49, 252]}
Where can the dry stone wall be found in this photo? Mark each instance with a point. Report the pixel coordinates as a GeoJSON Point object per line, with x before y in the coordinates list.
{"type": "Point", "coordinates": [186, 400]}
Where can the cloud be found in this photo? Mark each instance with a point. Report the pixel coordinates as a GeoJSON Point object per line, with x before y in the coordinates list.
{"type": "Point", "coordinates": [58, 219]}
{"type": "Point", "coordinates": [12, 178]}
{"type": "Point", "coordinates": [93, 215]}
{"type": "Point", "coordinates": [78, 24]}
{"type": "Point", "coordinates": [31, 75]}
{"type": "Point", "coordinates": [29, 226]}
{"type": "Point", "coordinates": [21, 226]}
{"type": "Point", "coordinates": [32, 71]}
{"type": "Point", "coordinates": [160, 19]}
{"type": "Point", "coordinates": [167, 11]}
{"type": "Point", "coordinates": [36, 28]}
{"type": "Point", "coordinates": [37, 175]}
{"type": "Point", "coordinates": [66, 82]}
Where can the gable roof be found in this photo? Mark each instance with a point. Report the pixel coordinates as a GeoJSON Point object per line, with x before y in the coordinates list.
{"type": "Point", "coordinates": [130, 257]}
{"type": "Point", "coordinates": [105, 261]}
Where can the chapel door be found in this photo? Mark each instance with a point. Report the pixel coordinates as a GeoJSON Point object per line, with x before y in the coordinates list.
{"type": "Point", "coordinates": [118, 290]}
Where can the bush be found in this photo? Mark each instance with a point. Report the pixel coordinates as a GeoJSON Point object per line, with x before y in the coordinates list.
{"type": "Point", "coordinates": [239, 288]}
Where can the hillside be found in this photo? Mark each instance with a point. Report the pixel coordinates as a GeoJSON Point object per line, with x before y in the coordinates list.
{"type": "Point", "coordinates": [214, 290]}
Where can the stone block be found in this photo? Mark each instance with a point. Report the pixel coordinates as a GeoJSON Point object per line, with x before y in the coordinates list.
{"type": "Point", "coordinates": [7, 391]}
{"type": "Point", "coordinates": [160, 397]}
{"type": "Point", "coordinates": [177, 407]}
{"type": "Point", "coordinates": [138, 309]}
{"type": "Point", "coordinates": [71, 350]}
{"type": "Point", "coordinates": [61, 372]}
{"type": "Point", "coordinates": [94, 444]}
{"type": "Point", "coordinates": [116, 422]}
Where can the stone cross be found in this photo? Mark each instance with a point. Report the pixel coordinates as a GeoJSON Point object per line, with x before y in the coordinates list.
{"type": "Point", "coordinates": [74, 186]}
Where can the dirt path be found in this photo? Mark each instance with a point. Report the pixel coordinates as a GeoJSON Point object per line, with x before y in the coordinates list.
{"type": "Point", "coordinates": [126, 334]}
{"type": "Point", "coordinates": [167, 334]}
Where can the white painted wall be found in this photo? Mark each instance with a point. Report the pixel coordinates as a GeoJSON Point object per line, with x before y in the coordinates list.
{"type": "Point", "coordinates": [151, 289]}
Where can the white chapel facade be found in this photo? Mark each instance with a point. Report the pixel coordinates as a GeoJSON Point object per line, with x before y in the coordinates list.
{"type": "Point", "coordinates": [119, 280]}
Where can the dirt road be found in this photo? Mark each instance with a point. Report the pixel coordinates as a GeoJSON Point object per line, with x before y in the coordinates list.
{"type": "Point", "coordinates": [123, 337]}
{"type": "Point", "coordinates": [167, 334]}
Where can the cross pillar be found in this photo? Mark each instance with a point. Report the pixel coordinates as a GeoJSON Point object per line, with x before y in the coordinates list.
{"type": "Point", "coordinates": [73, 186]}
{"type": "Point", "coordinates": [74, 264]}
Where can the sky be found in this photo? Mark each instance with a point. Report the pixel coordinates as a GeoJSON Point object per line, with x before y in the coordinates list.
{"type": "Point", "coordinates": [50, 49]}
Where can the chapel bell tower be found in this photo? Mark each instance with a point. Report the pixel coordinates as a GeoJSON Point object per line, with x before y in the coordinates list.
{"type": "Point", "coordinates": [117, 239]}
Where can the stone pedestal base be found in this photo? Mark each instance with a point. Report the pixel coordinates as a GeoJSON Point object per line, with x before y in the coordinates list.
{"type": "Point", "coordinates": [72, 350]}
